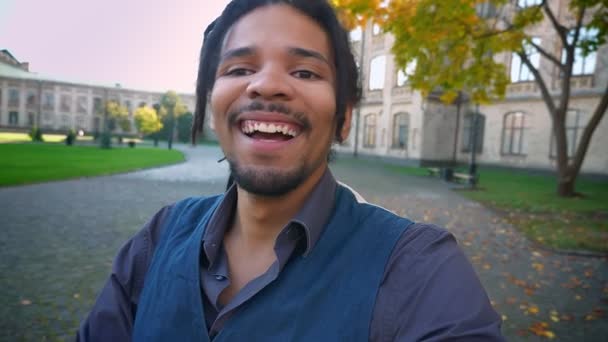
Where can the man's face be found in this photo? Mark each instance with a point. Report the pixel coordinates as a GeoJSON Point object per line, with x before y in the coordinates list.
{"type": "Point", "coordinates": [273, 101]}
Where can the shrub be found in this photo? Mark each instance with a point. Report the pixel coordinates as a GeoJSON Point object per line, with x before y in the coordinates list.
{"type": "Point", "coordinates": [131, 143]}
{"type": "Point", "coordinates": [36, 134]}
{"type": "Point", "coordinates": [70, 138]}
{"type": "Point", "coordinates": [106, 140]}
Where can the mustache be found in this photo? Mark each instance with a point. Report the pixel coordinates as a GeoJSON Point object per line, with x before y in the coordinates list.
{"type": "Point", "coordinates": [272, 108]}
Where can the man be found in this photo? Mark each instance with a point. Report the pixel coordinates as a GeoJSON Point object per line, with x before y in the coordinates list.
{"type": "Point", "coordinates": [286, 254]}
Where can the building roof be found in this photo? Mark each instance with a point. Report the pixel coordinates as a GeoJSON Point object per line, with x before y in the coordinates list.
{"type": "Point", "coordinates": [14, 72]}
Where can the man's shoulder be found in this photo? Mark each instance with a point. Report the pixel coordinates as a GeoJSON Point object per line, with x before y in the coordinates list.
{"type": "Point", "coordinates": [367, 212]}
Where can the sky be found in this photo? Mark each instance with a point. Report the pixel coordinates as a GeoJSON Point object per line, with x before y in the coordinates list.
{"type": "Point", "coordinates": [142, 44]}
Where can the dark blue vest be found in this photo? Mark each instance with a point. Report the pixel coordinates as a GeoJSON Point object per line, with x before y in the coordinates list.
{"type": "Point", "coordinates": [328, 295]}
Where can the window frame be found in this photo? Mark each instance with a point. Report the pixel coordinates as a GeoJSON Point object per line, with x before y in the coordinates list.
{"type": "Point", "coordinates": [521, 130]}
{"type": "Point", "coordinates": [401, 119]}
{"type": "Point", "coordinates": [369, 130]}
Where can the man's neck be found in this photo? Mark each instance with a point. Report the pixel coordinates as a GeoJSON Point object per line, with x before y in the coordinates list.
{"type": "Point", "coordinates": [258, 220]}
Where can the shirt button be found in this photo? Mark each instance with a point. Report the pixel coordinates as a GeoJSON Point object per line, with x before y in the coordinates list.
{"type": "Point", "coordinates": [219, 277]}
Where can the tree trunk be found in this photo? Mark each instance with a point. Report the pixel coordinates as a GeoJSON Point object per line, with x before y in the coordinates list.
{"type": "Point", "coordinates": [565, 185]}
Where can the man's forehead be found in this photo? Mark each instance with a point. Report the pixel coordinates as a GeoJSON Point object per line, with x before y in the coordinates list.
{"type": "Point", "coordinates": [277, 24]}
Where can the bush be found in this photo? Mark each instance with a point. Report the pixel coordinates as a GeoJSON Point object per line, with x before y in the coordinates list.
{"type": "Point", "coordinates": [106, 140]}
{"type": "Point", "coordinates": [70, 138]}
{"type": "Point", "coordinates": [36, 134]}
{"type": "Point", "coordinates": [131, 143]}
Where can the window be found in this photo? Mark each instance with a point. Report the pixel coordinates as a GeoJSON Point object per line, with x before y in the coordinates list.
{"type": "Point", "coordinates": [376, 74]}
{"type": "Point", "coordinates": [49, 101]}
{"type": "Point", "coordinates": [66, 103]}
{"type": "Point", "coordinates": [403, 77]}
{"type": "Point", "coordinates": [81, 104]}
{"type": "Point", "coordinates": [401, 124]}
{"type": "Point", "coordinates": [376, 30]}
{"type": "Point", "coordinates": [31, 101]}
{"type": "Point", "coordinates": [369, 131]}
{"type": "Point", "coordinates": [31, 119]}
{"type": "Point", "coordinates": [13, 118]}
{"type": "Point", "coordinates": [66, 121]}
{"type": "Point", "coordinates": [467, 132]}
{"type": "Point", "coordinates": [528, 3]}
{"type": "Point", "coordinates": [128, 105]}
{"type": "Point", "coordinates": [356, 34]}
{"type": "Point", "coordinates": [520, 71]}
{"type": "Point", "coordinates": [142, 104]}
{"type": "Point", "coordinates": [486, 10]}
{"type": "Point", "coordinates": [583, 65]}
{"type": "Point", "coordinates": [13, 98]}
{"type": "Point", "coordinates": [513, 134]}
{"type": "Point", "coordinates": [574, 130]}
{"type": "Point", "coordinates": [97, 105]}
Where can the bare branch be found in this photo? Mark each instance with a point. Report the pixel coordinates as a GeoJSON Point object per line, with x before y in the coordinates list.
{"type": "Point", "coordinates": [562, 31]}
{"type": "Point", "coordinates": [585, 141]}
{"type": "Point", "coordinates": [544, 90]}
{"type": "Point", "coordinates": [547, 55]}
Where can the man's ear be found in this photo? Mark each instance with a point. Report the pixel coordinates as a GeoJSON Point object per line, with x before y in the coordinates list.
{"type": "Point", "coordinates": [348, 116]}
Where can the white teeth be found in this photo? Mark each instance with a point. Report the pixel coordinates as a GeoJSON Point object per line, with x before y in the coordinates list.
{"type": "Point", "coordinates": [249, 127]}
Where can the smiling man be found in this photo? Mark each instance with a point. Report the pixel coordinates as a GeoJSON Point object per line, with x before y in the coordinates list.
{"type": "Point", "coordinates": [287, 253]}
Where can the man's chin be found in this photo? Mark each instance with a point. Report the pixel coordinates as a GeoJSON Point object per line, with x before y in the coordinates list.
{"type": "Point", "coordinates": [268, 181]}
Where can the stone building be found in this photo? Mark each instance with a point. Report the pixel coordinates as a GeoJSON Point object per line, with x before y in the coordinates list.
{"type": "Point", "coordinates": [30, 99]}
{"type": "Point", "coordinates": [396, 123]}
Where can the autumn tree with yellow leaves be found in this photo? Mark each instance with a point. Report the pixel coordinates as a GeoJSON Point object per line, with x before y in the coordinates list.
{"type": "Point", "coordinates": [454, 44]}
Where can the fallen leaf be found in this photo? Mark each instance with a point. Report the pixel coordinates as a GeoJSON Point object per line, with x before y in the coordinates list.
{"type": "Point", "coordinates": [26, 302]}
{"type": "Point", "coordinates": [533, 309]}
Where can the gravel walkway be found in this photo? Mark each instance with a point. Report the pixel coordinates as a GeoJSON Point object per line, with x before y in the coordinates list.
{"type": "Point", "coordinates": [58, 240]}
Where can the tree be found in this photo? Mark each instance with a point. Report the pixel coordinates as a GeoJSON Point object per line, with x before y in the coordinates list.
{"type": "Point", "coordinates": [454, 44]}
{"type": "Point", "coordinates": [118, 116]}
{"type": "Point", "coordinates": [172, 103]}
{"type": "Point", "coordinates": [147, 120]}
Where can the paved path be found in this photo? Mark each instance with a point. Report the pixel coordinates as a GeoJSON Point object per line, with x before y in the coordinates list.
{"type": "Point", "coordinates": [58, 240]}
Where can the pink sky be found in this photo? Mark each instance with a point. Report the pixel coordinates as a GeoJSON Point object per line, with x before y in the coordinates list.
{"type": "Point", "coordinates": [142, 44]}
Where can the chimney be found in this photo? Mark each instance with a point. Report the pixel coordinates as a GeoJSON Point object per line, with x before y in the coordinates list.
{"type": "Point", "coordinates": [25, 66]}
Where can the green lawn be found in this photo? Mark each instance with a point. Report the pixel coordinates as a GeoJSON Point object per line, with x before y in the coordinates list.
{"type": "Point", "coordinates": [33, 163]}
{"type": "Point", "coordinates": [529, 201]}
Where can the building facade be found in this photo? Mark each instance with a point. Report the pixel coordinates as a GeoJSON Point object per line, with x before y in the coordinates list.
{"type": "Point", "coordinates": [395, 122]}
{"type": "Point", "coordinates": [29, 99]}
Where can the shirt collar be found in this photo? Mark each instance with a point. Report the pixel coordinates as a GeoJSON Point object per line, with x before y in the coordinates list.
{"type": "Point", "coordinates": [311, 217]}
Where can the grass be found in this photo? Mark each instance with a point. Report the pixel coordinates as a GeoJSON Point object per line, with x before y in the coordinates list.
{"type": "Point", "coordinates": [33, 163]}
{"type": "Point", "coordinates": [529, 201]}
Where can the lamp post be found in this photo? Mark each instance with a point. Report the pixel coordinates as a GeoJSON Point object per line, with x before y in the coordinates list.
{"type": "Point", "coordinates": [473, 136]}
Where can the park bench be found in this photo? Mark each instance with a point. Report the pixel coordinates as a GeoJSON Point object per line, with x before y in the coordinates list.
{"type": "Point", "coordinates": [464, 178]}
{"type": "Point", "coordinates": [433, 171]}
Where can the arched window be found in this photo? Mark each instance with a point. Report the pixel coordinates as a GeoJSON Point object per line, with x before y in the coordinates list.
{"type": "Point", "coordinates": [467, 132]}
{"type": "Point", "coordinates": [369, 131]}
{"type": "Point", "coordinates": [403, 76]}
{"type": "Point", "coordinates": [575, 124]}
{"type": "Point", "coordinates": [376, 30]}
{"type": "Point", "coordinates": [519, 71]}
{"type": "Point", "coordinates": [377, 70]}
{"type": "Point", "coordinates": [514, 134]}
{"type": "Point", "coordinates": [583, 64]}
{"type": "Point", "coordinates": [401, 123]}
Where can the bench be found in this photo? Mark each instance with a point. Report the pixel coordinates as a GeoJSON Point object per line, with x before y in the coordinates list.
{"type": "Point", "coordinates": [464, 178]}
{"type": "Point", "coordinates": [433, 171]}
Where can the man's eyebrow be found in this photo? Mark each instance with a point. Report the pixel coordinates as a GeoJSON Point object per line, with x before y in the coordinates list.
{"type": "Point", "coordinates": [296, 51]}
{"type": "Point", "coordinates": [238, 52]}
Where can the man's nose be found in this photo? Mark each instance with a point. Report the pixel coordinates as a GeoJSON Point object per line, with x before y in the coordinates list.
{"type": "Point", "coordinates": [270, 84]}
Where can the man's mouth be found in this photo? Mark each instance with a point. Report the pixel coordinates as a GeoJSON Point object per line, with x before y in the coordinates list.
{"type": "Point", "coordinates": [265, 130]}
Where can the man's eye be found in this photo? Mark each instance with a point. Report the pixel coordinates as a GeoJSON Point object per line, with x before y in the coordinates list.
{"type": "Point", "coordinates": [238, 72]}
{"type": "Point", "coordinates": [306, 75]}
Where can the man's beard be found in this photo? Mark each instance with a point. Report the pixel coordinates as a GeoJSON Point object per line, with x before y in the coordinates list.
{"type": "Point", "coordinates": [266, 181]}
